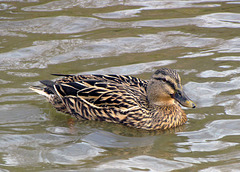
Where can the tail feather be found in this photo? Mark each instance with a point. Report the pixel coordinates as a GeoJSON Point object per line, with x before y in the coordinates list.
{"type": "Point", "coordinates": [41, 91]}
{"type": "Point", "coordinates": [57, 74]}
{"type": "Point", "coordinates": [49, 85]}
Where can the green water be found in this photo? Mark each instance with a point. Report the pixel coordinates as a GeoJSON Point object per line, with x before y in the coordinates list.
{"type": "Point", "coordinates": [198, 38]}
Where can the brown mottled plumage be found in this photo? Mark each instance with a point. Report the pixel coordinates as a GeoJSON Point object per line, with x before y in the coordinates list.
{"type": "Point", "coordinates": [149, 105]}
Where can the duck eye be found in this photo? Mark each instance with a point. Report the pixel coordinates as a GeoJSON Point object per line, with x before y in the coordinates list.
{"type": "Point", "coordinates": [163, 79]}
{"type": "Point", "coordinates": [179, 93]}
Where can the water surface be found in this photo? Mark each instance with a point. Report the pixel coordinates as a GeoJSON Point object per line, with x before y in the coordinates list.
{"type": "Point", "coordinates": [199, 38]}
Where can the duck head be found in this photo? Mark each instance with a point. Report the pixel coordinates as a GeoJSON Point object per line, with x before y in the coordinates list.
{"type": "Point", "coordinates": [164, 89]}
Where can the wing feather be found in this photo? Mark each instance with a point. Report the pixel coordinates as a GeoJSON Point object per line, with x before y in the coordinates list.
{"type": "Point", "coordinates": [102, 97]}
{"type": "Point", "coordinates": [103, 93]}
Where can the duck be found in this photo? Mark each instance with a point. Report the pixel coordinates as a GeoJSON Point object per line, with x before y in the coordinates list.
{"type": "Point", "coordinates": [153, 104]}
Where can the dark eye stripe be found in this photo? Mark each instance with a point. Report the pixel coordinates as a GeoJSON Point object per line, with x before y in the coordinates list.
{"type": "Point", "coordinates": [168, 82]}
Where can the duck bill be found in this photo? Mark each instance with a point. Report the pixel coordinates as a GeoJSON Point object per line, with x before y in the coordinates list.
{"type": "Point", "coordinates": [182, 98]}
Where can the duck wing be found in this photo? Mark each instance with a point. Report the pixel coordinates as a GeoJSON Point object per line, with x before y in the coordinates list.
{"type": "Point", "coordinates": [101, 93]}
{"type": "Point", "coordinates": [117, 79]}
{"type": "Point", "coordinates": [99, 100]}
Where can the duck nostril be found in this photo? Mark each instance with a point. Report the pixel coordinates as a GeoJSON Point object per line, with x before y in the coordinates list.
{"type": "Point", "coordinates": [179, 93]}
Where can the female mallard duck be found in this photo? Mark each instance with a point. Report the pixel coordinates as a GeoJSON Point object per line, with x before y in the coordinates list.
{"type": "Point", "coordinates": [149, 105]}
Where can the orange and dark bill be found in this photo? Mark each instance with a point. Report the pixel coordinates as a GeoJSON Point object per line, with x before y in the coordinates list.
{"type": "Point", "coordinates": [183, 99]}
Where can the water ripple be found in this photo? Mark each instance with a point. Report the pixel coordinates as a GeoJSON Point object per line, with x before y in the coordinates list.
{"type": "Point", "coordinates": [132, 69]}
{"type": "Point", "coordinates": [144, 162]}
{"type": "Point", "coordinates": [199, 38]}
{"type": "Point", "coordinates": [213, 131]}
{"type": "Point", "coordinates": [210, 90]}
{"type": "Point", "coordinates": [58, 25]}
{"type": "Point", "coordinates": [149, 5]}
{"type": "Point", "coordinates": [71, 50]}
{"type": "Point", "coordinates": [73, 153]}
{"type": "Point", "coordinates": [233, 167]}
{"type": "Point", "coordinates": [208, 146]}
{"type": "Point", "coordinates": [110, 140]}
{"type": "Point", "coordinates": [212, 73]}
{"type": "Point", "coordinates": [207, 139]}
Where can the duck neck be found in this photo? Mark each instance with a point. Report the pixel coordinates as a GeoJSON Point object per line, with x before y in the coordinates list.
{"type": "Point", "coordinates": [165, 117]}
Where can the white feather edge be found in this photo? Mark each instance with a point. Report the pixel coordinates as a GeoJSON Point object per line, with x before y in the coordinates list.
{"type": "Point", "coordinates": [40, 91]}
